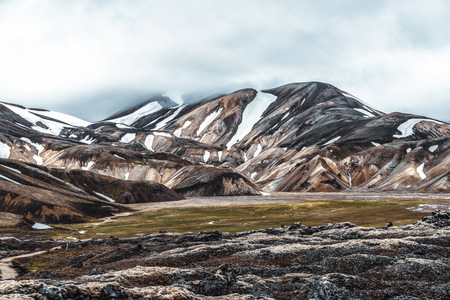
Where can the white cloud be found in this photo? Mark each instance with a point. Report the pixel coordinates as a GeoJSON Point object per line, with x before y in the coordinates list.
{"type": "Point", "coordinates": [392, 54]}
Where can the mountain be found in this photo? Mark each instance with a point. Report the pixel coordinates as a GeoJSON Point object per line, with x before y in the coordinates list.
{"type": "Point", "coordinates": [293, 138]}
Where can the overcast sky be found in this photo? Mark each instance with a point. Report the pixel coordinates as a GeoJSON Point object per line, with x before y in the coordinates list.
{"type": "Point", "coordinates": [92, 58]}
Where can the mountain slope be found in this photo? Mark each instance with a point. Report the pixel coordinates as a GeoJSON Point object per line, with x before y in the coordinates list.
{"type": "Point", "coordinates": [297, 137]}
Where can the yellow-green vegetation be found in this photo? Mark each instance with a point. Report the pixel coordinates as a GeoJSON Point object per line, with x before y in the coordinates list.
{"type": "Point", "coordinates": [233, 219]}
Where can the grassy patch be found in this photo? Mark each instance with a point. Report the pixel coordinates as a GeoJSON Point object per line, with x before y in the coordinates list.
{"type": "Point", "coordinates": [248, 217]}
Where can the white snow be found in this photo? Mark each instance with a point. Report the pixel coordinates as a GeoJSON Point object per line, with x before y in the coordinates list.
{"type": "Point", "coordinates": [303, 101]}
{"type": "Point", "coordinates": [265, 194]}
{"type": "Point", "coordinates": [159, 133]}
{"type": "Point", "coordinates": [39, 149]}
{"type": "Point", "coordinates": [149, 142]}
{"type": "Point", "coordinates": [12, 169]}
{"type": "Point", "coordinates": [82, 232]}
{"type": "Point", "coordinates": [104, 197]}
{"type": "Point", "coordinates": [333, 140]}
{"type": "Point", "coordinates": [5, 150]}
{"type": "Point", "coordinates": [206, 156]}
{"type": "Point", "coordinates": [41, 226]}
{"type": "Point", "coordinates": [123, 126]}
{"type": "Point", "coordinates": [251, 115]}
{"type": "Point", "coordinates": [208, 120]}
{"type": "Point", "coordinates": [406, 128]}
{"type": "Point", "coordinates": [127, 175]}
{"type": "Point", "coordinates": [211, 223]}
{"type": "Point", "coordinates": [375, 144]}
{"type": "Point", "coordinates": [408, 150]}
{"type": "Point", "coordinates": [253, 175]}
{"type": "Point", "coordinates": [87, 140]}
{"type": "Point", "coordinates": [420, 171]}
{"type": "Point", "coordinates": [134, 116]}
{"type": "Point", "coordinates": [163, 122]}
{"type": "Point", "coordinates": [364, 112]}
{"type": "Point", "coordinates": [220, 155]}
{"type": "Point", "coordinates": [54, 128]}
{"type": "Point", "coordinates": [433, 148]}
{"type": "Point", "coordinates": [88, 166]}
{"type": "Point", "coordinates": [285, 116]}
{"type": "Point", "coordinates": [128, 137]}
{"type": "Point", "coordinates": [177, 132]}
{"type": "Point", "coordinates": [258, 150]}
{"type": "Point", "coordinates": [8, 179]}
{"type": "Point", "coordinates": [120, 157]}
{"type": "Point", "coordinates": [63, 118]}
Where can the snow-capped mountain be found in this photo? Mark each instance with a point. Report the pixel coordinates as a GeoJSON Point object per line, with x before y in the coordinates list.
{"type": "Point", "coordinates": [297, 137]}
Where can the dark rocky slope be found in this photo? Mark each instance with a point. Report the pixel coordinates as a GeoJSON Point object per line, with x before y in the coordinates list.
{"type": "Point", "coordinates": [335, 261]}
{"type": "Point", "coordinates": [48, 195]}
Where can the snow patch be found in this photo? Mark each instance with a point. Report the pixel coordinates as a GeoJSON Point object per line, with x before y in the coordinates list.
{"type": "Point", "coordinates": [406, 128]}
{"type": "Point", "coordinates": [433, 148]}
{"type": "Point", "coordinates": [177, 132]}
{"type": "Point", "coordinates": [164, 121]}
{"type": "Point", "coordinates": [122, 126]}
{"type": "Point", "coordinates": [5, 150]}
{"type": "Point", "coordinates": [119, 157]}
{"type": "Point", "coordinates": [127, 175]}
{"type": "Point", "coordinates": [285, 116]}
{"type": "Point", "coordinates": [408, 150]}
{"type": "Point", "coordinates": [251, 115]}
{"type": "Point", "coordinates": [420, 171]}
{"type": "Point", "coordinates": [149, 142]}
{"type": "Point", "coordinates": [128, 137]}
{"type": "Point", "coordinates": [136, 115]}
{"type": "Point", "coordinates": [333, 140]}
{"type": "Point", "coordinates": [364, 112]}
{"type": "Point", "coordinates": [8, 179]}
{"type": "Point", "coordinates": [162, 134]}
{"type": "Point", "coordinates": [258, 150]}
{"type": "Point", "coordinates": [220, 155]}
{"type": "Point", "coordinates": [88, 166]}
{"type": "Point", "coordinates": [54, 128]}
{"type": "Point", "coordinates": [41, 226]}
{"type": "Point", "coordinates": [375, 144]}
{"type": "Point", "coordinates": [104, 197]}
{"type": "Point", "coordinates": [265, 194]}
{"type": "Point", "coordinates": [39, 149]}
{"type": "Point", "coordinates": [253, 175]}
{"type": "Point", "coordinates": [63, 117]}
{"type": "Point", "coordinates": [87, 140]}
{"type": "Point", "coordinates": [12, 169]}
{"type": "Point", "coordinates": [207, 121]}
{"type": "Point", "coordinates": [206, 156]}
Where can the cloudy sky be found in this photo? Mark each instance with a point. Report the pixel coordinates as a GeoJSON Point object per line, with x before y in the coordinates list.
{"type": "Point", "coordinates": [91, 58]}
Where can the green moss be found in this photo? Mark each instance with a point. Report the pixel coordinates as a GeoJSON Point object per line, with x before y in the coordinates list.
{"type": "Point", "coordinates": [249, 217]}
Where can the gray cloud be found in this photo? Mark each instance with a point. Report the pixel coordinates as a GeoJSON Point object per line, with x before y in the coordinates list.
{"type": "Point", "coordinates": [72, 56]}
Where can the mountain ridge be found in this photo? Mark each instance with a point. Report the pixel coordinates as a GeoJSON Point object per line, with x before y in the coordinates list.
{"type": "Point", "coordinates": [297, 137]}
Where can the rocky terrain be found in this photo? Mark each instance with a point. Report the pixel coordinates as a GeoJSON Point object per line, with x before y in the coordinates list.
{"type": "Point", "coordinates": [298, 137]}
{"type": "Point", "coordinates": [335, 261]}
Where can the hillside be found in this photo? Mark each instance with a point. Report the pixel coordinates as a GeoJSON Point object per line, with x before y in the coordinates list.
{"type": "Point", "coordinates": [293, 138]}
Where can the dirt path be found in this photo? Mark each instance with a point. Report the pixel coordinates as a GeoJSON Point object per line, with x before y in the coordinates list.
{"type": "Point", "coordinates": [6, 269]}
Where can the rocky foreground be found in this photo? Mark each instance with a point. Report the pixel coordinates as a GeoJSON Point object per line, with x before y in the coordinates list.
{"type": "Point", "coordinates": [336, 261]}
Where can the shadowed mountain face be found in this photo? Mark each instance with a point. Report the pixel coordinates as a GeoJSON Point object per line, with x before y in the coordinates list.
{"type": "Point", "coordinates": [297, 137]}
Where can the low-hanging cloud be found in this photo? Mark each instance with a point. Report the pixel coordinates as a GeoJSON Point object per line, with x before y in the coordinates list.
{"type": "Point", "coordinates": [64, 54]}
